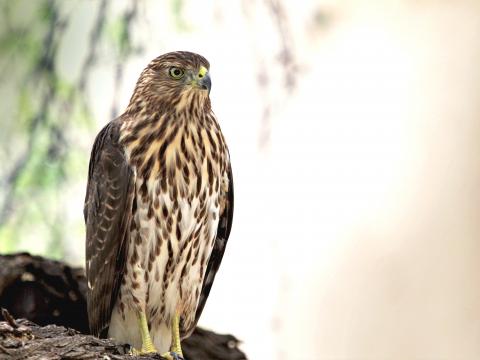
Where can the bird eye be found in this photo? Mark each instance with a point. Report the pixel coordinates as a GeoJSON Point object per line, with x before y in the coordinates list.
{"type": "Point", "coordinates": [176, 73]}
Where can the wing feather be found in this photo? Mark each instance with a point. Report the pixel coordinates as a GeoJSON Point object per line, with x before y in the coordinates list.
{"type": "Point", "coordinates": [107, 212]}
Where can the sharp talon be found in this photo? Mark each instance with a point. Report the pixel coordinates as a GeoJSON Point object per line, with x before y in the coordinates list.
{"type": "Point", "coordinates": [173, 356]}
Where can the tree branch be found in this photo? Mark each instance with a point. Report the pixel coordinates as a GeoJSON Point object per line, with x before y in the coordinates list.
{"type": "Point", "coordinates": [50, 292]}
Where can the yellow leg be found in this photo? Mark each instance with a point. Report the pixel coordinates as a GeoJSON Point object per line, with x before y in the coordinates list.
{"type": "Point", "coordinates": [147, 345]}
{"type": "Point", "coordinates": [176, 348]}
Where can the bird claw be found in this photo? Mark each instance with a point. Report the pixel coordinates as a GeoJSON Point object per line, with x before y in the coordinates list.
{"type": "Point", "coordinates": [142, 351]}
{"type": "Point", "coordinates": [173, 356]}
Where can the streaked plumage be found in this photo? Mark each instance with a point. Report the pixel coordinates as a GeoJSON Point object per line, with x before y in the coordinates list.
{"type": "Point", "coordinates": [159, 206]}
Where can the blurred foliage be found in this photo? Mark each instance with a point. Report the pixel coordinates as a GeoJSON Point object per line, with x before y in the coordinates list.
{"type": "Point", "coordinates": [47, 122]}
{"type": "Point", "coordinates": [44, 118]}
{"type": "Point", "coordinates": [177, 10]}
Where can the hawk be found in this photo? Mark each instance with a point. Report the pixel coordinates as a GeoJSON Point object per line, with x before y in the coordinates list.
{"type": "Point", "coordinates": [158, 209]}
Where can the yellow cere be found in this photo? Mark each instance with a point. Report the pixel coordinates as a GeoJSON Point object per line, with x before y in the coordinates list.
{"type": "Point", "coordinates": [202, 72]}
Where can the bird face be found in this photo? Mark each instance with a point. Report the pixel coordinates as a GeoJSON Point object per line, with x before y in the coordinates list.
{"type": "Point", "coordinates": [191, 77]}
{"type": "Point", "coordinates": [178, 71]}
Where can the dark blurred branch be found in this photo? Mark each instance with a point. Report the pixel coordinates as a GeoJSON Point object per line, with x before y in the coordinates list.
{"type": "Point", "coordinates": [46, 65]}
{"type": "Point", "coordinates": [286, 56]}
{"type": "Point", "coordinates": [92, 48]}
{"type": "Point", "coordinates": [128, 17]}
{"type": "Point", "coordinates": [45, 72]}
{"type": "Point", "coordinates": [287, 60]}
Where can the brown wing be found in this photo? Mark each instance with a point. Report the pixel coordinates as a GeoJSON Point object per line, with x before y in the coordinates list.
{"type": "Point", "coordinates": [223, 232]}
{"type": "Point", "coordinates": [107, 211]}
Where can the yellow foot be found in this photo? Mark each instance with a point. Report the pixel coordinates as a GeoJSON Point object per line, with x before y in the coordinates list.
{"type": "Point", "coordinates": [172, 356]}
{"type": "Point", "coordinates": [143, 351]}
{"type": "Point", "coordinates": [147, 344]}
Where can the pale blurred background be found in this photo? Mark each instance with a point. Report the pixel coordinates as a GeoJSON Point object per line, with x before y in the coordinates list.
{"type": "Point", "coordinates": [354, 131]}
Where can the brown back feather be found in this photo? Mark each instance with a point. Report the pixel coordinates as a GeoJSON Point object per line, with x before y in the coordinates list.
{"type": "Point", "coordinates": [107, 211]}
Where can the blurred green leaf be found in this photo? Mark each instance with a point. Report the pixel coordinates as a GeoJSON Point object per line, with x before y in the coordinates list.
{"type": "Point", "coordinates": [117, 31]}
{"type": "Point", "coordinates": [177, 10]}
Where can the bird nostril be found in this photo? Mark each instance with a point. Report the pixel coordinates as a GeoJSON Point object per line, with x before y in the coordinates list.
{"type": "Point", "coordinates": [200, 75]}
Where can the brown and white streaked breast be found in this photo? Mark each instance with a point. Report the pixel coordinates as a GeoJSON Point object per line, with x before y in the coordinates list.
{"type": "Point", "coordinates": [181, 180]}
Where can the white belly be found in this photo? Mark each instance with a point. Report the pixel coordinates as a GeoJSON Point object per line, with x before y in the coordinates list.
{"type": "Point", "coordinates": [168, 255]}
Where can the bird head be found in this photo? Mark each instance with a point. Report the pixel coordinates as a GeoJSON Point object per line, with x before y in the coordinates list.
{"type": "Point", "coordinates": [175, 79]}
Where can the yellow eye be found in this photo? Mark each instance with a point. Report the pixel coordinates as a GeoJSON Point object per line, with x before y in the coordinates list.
{"type": "Point", "coordinates": [176, 73]}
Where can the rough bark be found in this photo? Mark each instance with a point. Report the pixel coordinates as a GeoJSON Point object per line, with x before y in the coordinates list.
{"type": "Point", "coordinates": [52, 294]}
